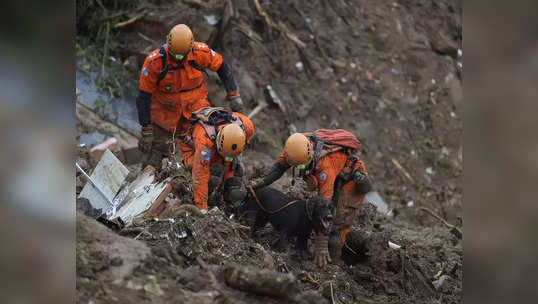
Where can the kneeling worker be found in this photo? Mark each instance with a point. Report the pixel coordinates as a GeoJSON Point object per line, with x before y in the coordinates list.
{"type": "Point", "coordinates": [328, 162]}
{"type": "Point", "coordinates": [216, 139]}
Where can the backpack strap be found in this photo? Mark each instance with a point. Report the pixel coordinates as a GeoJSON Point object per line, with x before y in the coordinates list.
{"type": "Point", "coordinates": [164, 61]}
{"type": "Point", "coordinates": [212, 118]}
{"type": "Point", "coordinates": [345, 176]}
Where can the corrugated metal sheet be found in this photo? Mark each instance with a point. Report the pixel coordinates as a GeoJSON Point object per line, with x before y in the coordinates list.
{"type": "Point", "coordinates": [108, 175]}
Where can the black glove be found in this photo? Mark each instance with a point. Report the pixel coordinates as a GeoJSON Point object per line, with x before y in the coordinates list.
{"type": "Point", "coordinates": [276, 172]}
{"type": "Point", "coordinates": [362, 182]}
{"type": "Point", "coordinates": [145, 142]}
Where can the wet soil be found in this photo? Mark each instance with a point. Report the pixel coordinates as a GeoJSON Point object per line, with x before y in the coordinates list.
{"type": "Point", "coordinates": [389, 71]}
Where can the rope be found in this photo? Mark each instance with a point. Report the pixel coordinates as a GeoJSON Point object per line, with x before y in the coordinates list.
{"type": "Point", "coordinates": [268, 211]}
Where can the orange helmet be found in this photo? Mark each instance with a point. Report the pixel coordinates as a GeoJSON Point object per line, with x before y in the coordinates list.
{"type": "Point", "coordinates": [231, 140]}
{"type": "Point", "coordinates": [298, 150]}
{"type": "Point", "coordinates": [180, 41]}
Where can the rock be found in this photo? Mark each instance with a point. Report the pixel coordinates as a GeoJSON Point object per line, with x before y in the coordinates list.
{"type": "Point", "coordinates": [153, 288]}
{"type": "Point", "coordinates": [261, 281]}
{"type": "Point", "coordinates": [445, 45]}
{"type": "Point", "coordinates": [206, 297]}
{"type": "Point", "coordinates": [441, 282]}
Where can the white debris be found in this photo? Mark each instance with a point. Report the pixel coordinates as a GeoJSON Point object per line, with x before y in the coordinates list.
{"type": "Point", "coordinates": [343, 80]}
{"type": "Point", "coordinates": [299, 65]}
{"type": "Point", "coordinates": [460, 53]}
{"type": "Point", "coordinates": [394, 245]}
{"type": "Point", "coordinates": [452, 114]}
{"type": "Point", "coordinates": [349, 94]}
{"type": "Point", "coordinates": [308, 20]}
{"type": "Point", "coordinates": [375, 199]}
{"type": "Point", "coordinates": [428, 172]}
{"type": "Point", "coordinates": [433, 81]}
{"type": "Point", "coordinates": [214, 210]}
{"type": "Point", "coordinates": [211, 19]}
{"type": "Point", "coordinates": [108, 177]}
{"type": "Point", "coordinates": [395, 71]}
{"type": "Point", "coordinates": [410, 204]}
{"type": "Point", "coordinates": [352, 65]}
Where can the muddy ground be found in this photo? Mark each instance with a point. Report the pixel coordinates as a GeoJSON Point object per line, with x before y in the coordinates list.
{"type": "Point", "coordinates": [389, 71]}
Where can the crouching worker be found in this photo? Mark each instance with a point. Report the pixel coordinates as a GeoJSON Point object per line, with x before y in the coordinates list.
{"type": "Point", "coordinates": [327, 160]}
{"type": "Point", "coordinates": [211, 149]}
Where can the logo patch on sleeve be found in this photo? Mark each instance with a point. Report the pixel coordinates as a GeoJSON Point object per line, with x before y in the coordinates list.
{"type": "Point", "coordinates": [145, 71]}
{"type": "Point", "coordinates": [323, 176]}
{"type": "Point", "coordinates": [206, 153]}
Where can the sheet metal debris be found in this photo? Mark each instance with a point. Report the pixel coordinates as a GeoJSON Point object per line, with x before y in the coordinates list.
{"type": "Point", "coordinates": [105, 181]}
{"type": "Point", "coordinates": [122, 203]}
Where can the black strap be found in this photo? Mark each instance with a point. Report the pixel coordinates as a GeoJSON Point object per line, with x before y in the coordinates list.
{"type": "Point", "coordinates": [164, 61]}
{"type": "Point", "coordinates": [196, 65]}
{"type": "Point", "coordinates": [340, 181]}
{"type": "Point", "coordinates": [165, 68]}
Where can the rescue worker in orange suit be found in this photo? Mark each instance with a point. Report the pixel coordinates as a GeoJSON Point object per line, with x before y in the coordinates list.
{"type": "Point", "coordinates": [212, 151]}
{"type": "Point", "coordinates": [172, 86]}
{"type": "Point", "coordinates": [337, 175]}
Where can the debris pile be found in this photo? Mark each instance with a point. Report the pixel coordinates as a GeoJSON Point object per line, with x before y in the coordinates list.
{"type": "Point", "coordinates": [157, 256]}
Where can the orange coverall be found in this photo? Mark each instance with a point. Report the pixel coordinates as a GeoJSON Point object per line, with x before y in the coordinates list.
{"type": "Point", "coordinates": [326, 171]}
{"type": "Point", "coordinates": [183, 89]}
{"type": "Point", "coordinates": [203, 154]}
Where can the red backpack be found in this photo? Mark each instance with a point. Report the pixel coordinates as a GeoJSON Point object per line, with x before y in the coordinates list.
{"type": "Point", "coordinates": [334, 140]}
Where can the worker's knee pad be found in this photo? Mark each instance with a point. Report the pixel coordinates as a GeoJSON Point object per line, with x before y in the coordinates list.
{"type": "Point", "coordinates": [216, 170]}
{"type": "Point", "coordinates": [234, 190]}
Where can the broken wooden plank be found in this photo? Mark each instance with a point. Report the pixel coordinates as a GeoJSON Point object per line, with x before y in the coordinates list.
{"type": "Point", "coordinates": [453, 229]}
{"type": "Point", "coordinates": [257, 109]}
{"type": "Point", "coordinates": [402, 169]}
{"type": "Point", "coordinates": [130, 21]}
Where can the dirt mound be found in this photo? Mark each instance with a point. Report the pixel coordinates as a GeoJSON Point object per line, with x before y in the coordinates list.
{"type": "Point", "coordinates": [197, 259]}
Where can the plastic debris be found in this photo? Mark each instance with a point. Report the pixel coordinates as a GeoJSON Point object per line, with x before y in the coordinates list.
{"type": "Point", "coordinates": [394, 245]}
{"type": "Point", "coordinates": [299, 65]}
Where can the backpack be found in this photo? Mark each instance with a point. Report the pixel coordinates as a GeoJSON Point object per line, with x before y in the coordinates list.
{"type": "Point", "coordinates": [328, 141]}
{"type": "Point", "coordinates": [211, 118]}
